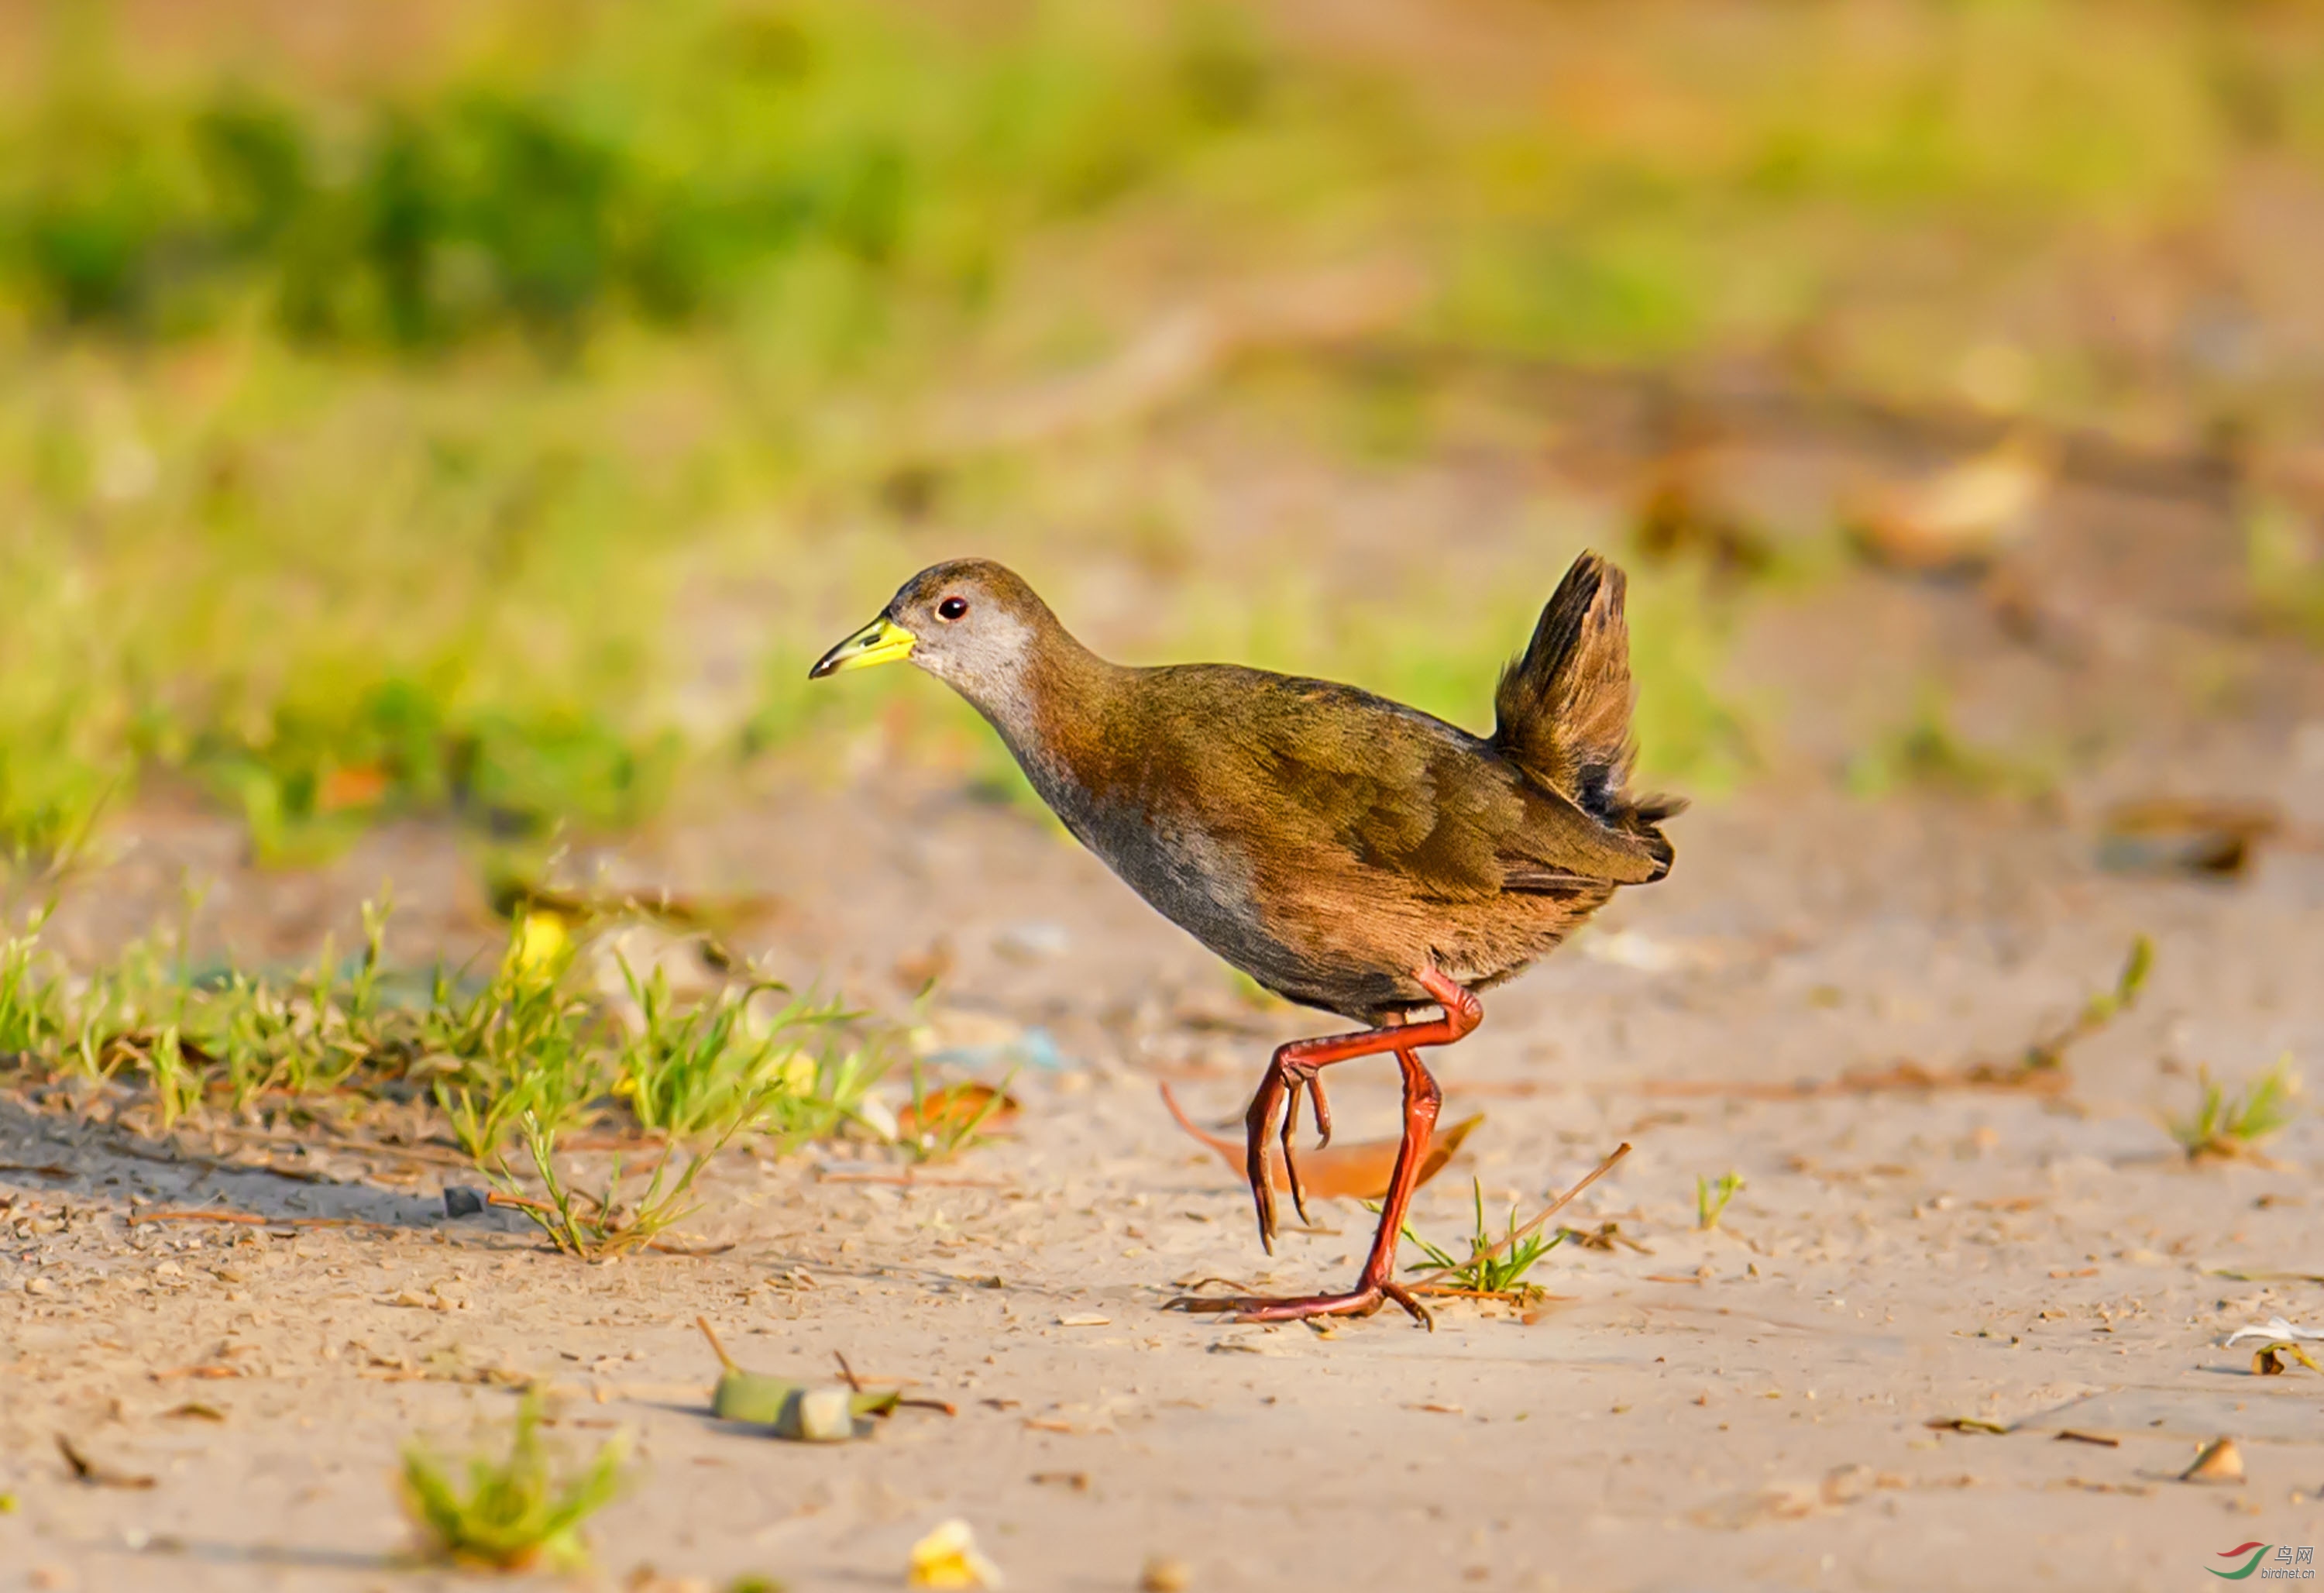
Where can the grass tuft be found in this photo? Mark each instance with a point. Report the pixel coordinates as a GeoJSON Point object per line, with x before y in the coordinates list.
{"type": "Point", "coordinates": [519, 1059]}
{"type": "Point", "coordinates": [516, 1513]}
{"type": "Point", "coordinates": [1493, 1267]}
{"type": "Point", "coordinates": [1711, 1196]}
{"type": "Point", "coordinates": [2226, 1125]}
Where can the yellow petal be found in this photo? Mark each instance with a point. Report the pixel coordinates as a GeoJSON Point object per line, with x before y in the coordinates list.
{"type": "Point", "coordinates": [948, 1558]}
{"type": "Point", "coordinates": [540, 942]}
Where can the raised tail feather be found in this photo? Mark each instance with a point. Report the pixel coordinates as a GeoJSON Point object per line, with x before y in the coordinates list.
{"type": "Point", "coordinates": [1563, 709]}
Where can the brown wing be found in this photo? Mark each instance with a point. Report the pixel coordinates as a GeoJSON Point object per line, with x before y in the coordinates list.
{"type": "Point", "coordinates": [1337, 775]}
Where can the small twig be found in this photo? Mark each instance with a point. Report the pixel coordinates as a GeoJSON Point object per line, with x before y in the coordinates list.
{"type": "Point", "coordinates": [1548, 1212]}
{"type": "Point", "coordinates": [672, 1247]}
{"type": "Point", "coordinates": [716, 1348]}
{"type": "Point", "coordinates": [1524, 1295]}
{"type": "Point", "coordinates": [526, 1202]}
{"type": "Point", "coordinates": [855, 1386]}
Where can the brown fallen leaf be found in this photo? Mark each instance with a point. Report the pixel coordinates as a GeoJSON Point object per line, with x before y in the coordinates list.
{"type": "Point", "coordinates": [957, 1108]}
{"type": "Point", "coordinates": [1360, 1171]}
{"type": "Point", "coordinates": [195, 1410]}
{"type": "Point", "coordinates": [1963, 1424]}
{"type": "Point", "coordinates": [95, 1473]}
{"type": "Point", "coordinates": [2173, 835]}
{"type": "Point", "coordinates": [2267, 1359]}
{"type": "Point", "coordinates": [1961, 518]}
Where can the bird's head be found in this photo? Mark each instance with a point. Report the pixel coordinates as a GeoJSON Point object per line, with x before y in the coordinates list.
{"type": "Point", "coordinates": [971, 622]}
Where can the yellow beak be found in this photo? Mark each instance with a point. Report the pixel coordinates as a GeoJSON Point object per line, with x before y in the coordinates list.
{"type": "Point", "coordinates": [880, 642]}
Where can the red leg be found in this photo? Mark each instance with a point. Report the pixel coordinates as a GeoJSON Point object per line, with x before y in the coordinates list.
{"type": "Point", "coordinates": [1295, 1066]}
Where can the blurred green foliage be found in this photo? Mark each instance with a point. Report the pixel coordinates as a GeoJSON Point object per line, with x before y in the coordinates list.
{"type": "Point", "coordinates": [496, 428]}
{"type": "Point", "coordinates": [672, 157]}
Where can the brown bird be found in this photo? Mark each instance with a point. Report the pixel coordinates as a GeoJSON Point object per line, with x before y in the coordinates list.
{"type": "Point", "coordinates": [1347, 852]}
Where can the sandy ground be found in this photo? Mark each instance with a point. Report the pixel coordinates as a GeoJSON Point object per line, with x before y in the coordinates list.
{"type": "Point", "coordinates": [1744, 1408]}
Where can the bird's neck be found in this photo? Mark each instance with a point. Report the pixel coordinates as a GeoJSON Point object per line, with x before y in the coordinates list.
{"type": "Point", "coordinates": [1054, 711]}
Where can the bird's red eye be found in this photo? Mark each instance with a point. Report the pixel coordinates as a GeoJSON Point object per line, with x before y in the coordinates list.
{"type": "Point", "coordinates": [952, 608]}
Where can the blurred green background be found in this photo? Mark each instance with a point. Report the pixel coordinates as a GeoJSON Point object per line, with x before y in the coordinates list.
{"type": "Point", "coordinates": [489, 408]}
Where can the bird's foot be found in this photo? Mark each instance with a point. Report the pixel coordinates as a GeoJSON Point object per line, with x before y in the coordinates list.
{"type": "Point", "coordinates": [1287, 1076]}
{"type": "Point", "coordinates": [1362, 1301]}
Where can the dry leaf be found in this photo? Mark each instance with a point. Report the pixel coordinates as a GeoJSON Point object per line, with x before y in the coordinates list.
{"type": "Point", "coordinates": [95, 1473]}
{"type": "Point", "coordinates": [1361, 1171]}
{"type": "Point", "coordinates": [1960, 519]}
{"type": "Point", "coordinates": [2267, 1359]}
{"type": "Point", "coordinates": [2169, 835]}
{"type": "Point", "coordinates": [957, 1108]}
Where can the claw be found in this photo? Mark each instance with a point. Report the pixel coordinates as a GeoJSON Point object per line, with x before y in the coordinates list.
{"type": "Point", "coordinates": [1405, 1298]}
{"type": "Point", "coordinates": [1261, 1118]}
{"type": "Point", "coordinates": [1290, 1150]}
{"type": "Point", "coordinates": [1323, 1109]}
{"type": "Point", "coordinates": [1198, 1304]}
